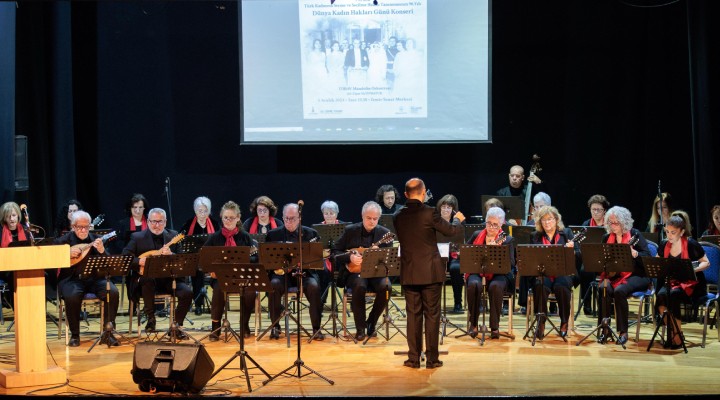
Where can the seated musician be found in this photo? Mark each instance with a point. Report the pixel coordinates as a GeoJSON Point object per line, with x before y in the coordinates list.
{"type": "Point", "coordinates": [713, 228]}
{"type": "Point", "coordinates": [362, 235]}
{"type": "Point", "coordinates": [618, 287]}
{"type": "Point", "coordinates": [289, 234]}
{"type": "Point", "coordinates": [157, 239]}
{"type": "Point", "coordinates": [201, 223]}
{"type": "Point", "coordinates": [73, 286]}
{"type": "Point", "coordinates": [387, 196]}
{"type": "Point", "coordinates": [550, 230]}
{"type": "Point", "coordinates": [597, 204]}
{"type": "Point", "coordinates": [231, 234]}
{"type": "Point", "coordinates": [262, 216]}
{"type": "Point", "coordinates": [447, 206]}
{"type": "Point", "coordinates": [680, 244]}
{"type": "Point", "coordinates": [497, 285]}
{"type": "Point", "coordinates": [330, 211]}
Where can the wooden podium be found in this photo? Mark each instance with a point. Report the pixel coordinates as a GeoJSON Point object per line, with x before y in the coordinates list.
{"type": "Point", "coordinates": [31, 366]}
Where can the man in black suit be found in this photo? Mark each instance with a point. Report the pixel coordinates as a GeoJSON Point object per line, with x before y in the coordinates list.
{"type": "Point", "coordinates": [311, 288]}
{"type": "Point", "coordinates": [156, 237]}
{"type": "Point", "coordinates": [362, 234]}
{"type": "Point", "coordinates": [422, 270]}
{"type": "Point", "coordinates": [356, 64]}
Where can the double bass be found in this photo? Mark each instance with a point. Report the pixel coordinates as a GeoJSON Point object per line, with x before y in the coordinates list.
{"type": "Point", "coordinates": [534, 169]}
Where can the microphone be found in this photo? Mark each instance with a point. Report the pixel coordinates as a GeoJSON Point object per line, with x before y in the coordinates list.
{"type": "Point", "coordinates": [300, 205]}
{"type": "Point", "coordinates": [23, 211]}
{"type": "Point", "coordinates": [167, 180]}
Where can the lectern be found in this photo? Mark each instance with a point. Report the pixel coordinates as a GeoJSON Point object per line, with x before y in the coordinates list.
{"type": "Point", "coordinates": [29, 263]}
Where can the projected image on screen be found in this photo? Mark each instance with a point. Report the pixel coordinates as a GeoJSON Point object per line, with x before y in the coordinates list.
{"type": "Point", "coordinates": [353, 72]}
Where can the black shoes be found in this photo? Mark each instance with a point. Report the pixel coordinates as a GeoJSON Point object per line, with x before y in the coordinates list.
{"type": "Point", "coordinates": [360, 335]}
{"type": "Point", "coordinates": [411, 363]}
{"type": "Point", "coordinates": [198, 310]}
{"type": "Point", "coordinates": [433, 364]}
{"type": "Point", "coordinates": [371, 329]}
{"type": "Point", "coordinates": [150, 326]}
{"type": "Point", "coordinates": [275, 333]}
{"type": "Point", "coordinates": [563, 330]}
{"type": "Point", "coordinates": [215, 331]}
{"type": "Point", "coordinates": [473, 331]}
{"type": "Point", "coordinates": [74, 341]}
{"type": "Point", "coordinates": [495, 335]}
{"type": "Point", "coordinates": [458, 309]}
{"type": "Point", "coordinates": [587, 311]}
{"type": "Point", "coordinates": [318, 335]}
{"type": "Point", "coordinates": [109, 340]}
{"type": "Point", "coordinates": [622, 339]}
{"type": "Point", "coordinates": [246, 331]}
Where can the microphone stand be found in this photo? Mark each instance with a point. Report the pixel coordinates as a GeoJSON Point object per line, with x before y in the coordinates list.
{"type": "Point", "coordinates": [169, 201]}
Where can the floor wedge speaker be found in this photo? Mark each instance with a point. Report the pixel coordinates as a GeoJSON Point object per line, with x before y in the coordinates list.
{"type": "Point", "coordinates": [171, 367]}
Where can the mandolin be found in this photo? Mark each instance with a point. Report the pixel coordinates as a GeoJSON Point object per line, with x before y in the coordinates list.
{"type": "Point", "coordinates": [386, 238]}
{"type": "Point", "coordinates": [97, 221]}
{"type": "Point", "coordinates": [85, 247]}
{"type": "Point", "coordinates": [176, 239]}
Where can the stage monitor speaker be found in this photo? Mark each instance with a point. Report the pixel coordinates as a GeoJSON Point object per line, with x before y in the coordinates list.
{"type": "Point", "coordinates": [171, 367]}
{"type": "Point", "coordinates": [22, 180]}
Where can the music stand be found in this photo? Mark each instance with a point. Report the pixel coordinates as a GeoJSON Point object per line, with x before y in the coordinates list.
{"type": "Point", "coordinates": [172, 266]}
{"type": "Point", "coordinates": [233, 278]}
{"type": "Point", "coordinates": [522, 234]}
{"type": "Point", "coordinates": [593, 234]}
{"type": "Point", "coordinates": [329, 234]}
{"type": "Point", "coordinates": [285, 257]}
{"type": "Point", "coordinates": [106, 266]}
{"type": "Point", "coordinates": [513, 205]}
{"type": "Point", "coordinates": [606, 258]}
{"type": "Point", "coordinates": [258, 237]}
{"type": "Point", "coordinates": [215, 259]}
{"type": "Point", "coordinates": [482, 260]}
{"type": "Point", "coordinates": [452, 241]}
{"type": "Point", "coordinates": [192, 244]}
{"type": "Point", "coordinates": [665, 269]}
{"type": "Point", "coordinates": [714, 239]}
{"type": "Point", "coordinates": [382, 262]}
{"type": "Point", "coordinates": [540, 260]}
{"type": "Point", "coordinates": [386, 220]}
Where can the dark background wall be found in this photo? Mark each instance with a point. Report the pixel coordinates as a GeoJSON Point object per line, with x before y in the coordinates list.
{"type": "Point", "coordinates": [612, 96]}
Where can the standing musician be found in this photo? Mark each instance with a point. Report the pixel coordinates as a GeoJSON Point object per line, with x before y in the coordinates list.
{"type": "Point", "coordinates": [12, 231]}
{"type": "Point", "coordinates": [422, 270]}
{"type": "Point", "coordinates": [156, 237]}
{"type": "Point", "coordinates": [73, 286]}
{"type": "Point", "coordinates": [201, 223]}
{"type": "Point", "coordinates": [496, 284]}
{"type": "Point", "coordinates": [362, 235]}
{"type": "Point", "coordinates": [289, 234]}
{"type": "Point", "coordinates": [230, 235]}
{"type": "Point", "coordinates": [262, 216]}
{"type": "Point", "coordinates": [619, 224]}
{"type": "Point", "coordinates": [679, 244]}
{"type": "Point", "coordinates": [549, 230]}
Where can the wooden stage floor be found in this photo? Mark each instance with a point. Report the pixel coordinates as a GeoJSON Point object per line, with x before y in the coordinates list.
{"type": "Point", "coordinates": [501, 367]}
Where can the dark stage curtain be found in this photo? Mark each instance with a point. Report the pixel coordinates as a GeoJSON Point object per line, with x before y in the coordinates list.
{"type": "Point", "coordinates": [7, 100]}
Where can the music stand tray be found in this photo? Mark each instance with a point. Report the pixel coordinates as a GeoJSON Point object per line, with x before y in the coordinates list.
{"type": "Point", "coordinates": [330, 233]}
{"type": "Point", "coordinates": [544, 260]}
{"type": "Point", "coordinates": [593, 234]}
{"type": "Point", "coordinates": [105, 266]}
{"type": "Point", "coordinates": [605, 257]}
{"type": "Point", "coordinates": [665, 269]}
{"type": "Point", "coordinates": [483, 259]}
{"type": "Point", "coordinates": [522, 234]}
{"type": "Point", "coordinates": [258, 237]}
{"type": "Point", "coordinates": [514, 205]}
{"type": "Point", "coordinates": [192, 244]}
{"type": "Point", "coordinates": [172, 266]}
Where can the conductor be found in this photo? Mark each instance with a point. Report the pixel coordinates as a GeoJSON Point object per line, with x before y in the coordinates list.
{"type": "Point", "coordinates": [422, 270]}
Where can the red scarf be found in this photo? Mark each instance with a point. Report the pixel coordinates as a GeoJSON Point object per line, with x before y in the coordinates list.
{"type": "Point", "coordinates": [142, 228]}
{"type": "Point", "coordinates": [593, 223]}
{"type": "Point", "coordinates": [686, 286]}
{"type": "Point", "coordinates": [480, 239]}
{"type": "Point", "coordinates": [208, 225]}
{"type": "Point", "coordinates": [229, 239]}
{"type": "Point", "coordinates": [7, 235]}
{"type": "Point", "coordinates": [548, 242]}
{"type": "Point", "coordinates": [621, 277]}
{"type": "Point", "coordinates": [255, 223]}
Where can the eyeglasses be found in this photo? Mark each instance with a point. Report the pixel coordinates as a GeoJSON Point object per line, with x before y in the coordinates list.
{"type": "Point", "coordinates": [597, 210]}
{"type": "Point", "coordinates": [547, 220]}
{"type": "Point", "coordinates": [492, 226]}
{"type": "Point", "coordinates": [202, 212]}
{"type": "Point", "coordinates": [614, 222]}
{"type": "Point", "coordinates": [230, 218]}
{"type": "Point", "coordinates": [446, 207]}
{"type": "Point", "coordinates": [156, 222]}
{"type": "Point", "coordinates": [82, 227]}
{"type": "Point", "coordinates": [138, 208]}
{"type": "Point", "coordinates": [290, 219]}
{"type": "Point", "coordinates": [262, 210]}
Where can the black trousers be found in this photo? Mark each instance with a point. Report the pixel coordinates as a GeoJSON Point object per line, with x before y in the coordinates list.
{"type": "Point", "coordinates": [198, 281]}
{"type": "Point", "coordinates": [422, 304]}
{"type": "Point", "coordinates": [561, 286]}
{"type": "Point", "coordinates": [620, 294]}
{"type": "Point", "coordinates": [359, 287]}
{"type": "Point", "coordinates": [495, 290]}
{"type": "Point", "coordinates": [311, 290]}
{"type": "Point", "coordinates": [456, 279]}
{"type": "Point", "coordinates": [150, 286]}
{"type": "Point", "coordinates": [218, 303]}
{"type": "Point", "coordinates": [73, 289]}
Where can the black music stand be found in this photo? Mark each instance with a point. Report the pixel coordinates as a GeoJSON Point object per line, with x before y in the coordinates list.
{"type": "Point", "coordinates": [258, 237]}
{"type": "Point", "coordinates": [192, 244]}
{"type": "Point", "coordinates": [483, 259]}
{"type": "Point", "coordinates": [382, 262]}
{"type": "Point", "coordinates": [329, 234]}
{"type": "Point", "coordinates": [172, 266]}
{"type": "Point", "coordinates": [290, 255]}
{"type": "Point", "coordinates": [665, 269]}
{"type": "Point", "coordinates": [714, 239]}
{"type": "Point", "coordinates": [606, 258]}
{"type": "Point", "coordinates": [234, 278]}
{"type": "Point", "coordinates": [284, 258]}
{"type": "Point", "coordinates": [513, 205]}
{"type": "Point", "coordinates": [540, 260]}
{"type": "Point", "coordinates": [217, 259]}
{"type": "Point", "coordinates": [452, 241]}
{"type": "Point", "coordinates": [386, 220]}
{"type": "Point", "coordinates": [106, 266]}
{"type": "Point", "coordinates": [522, 233]}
